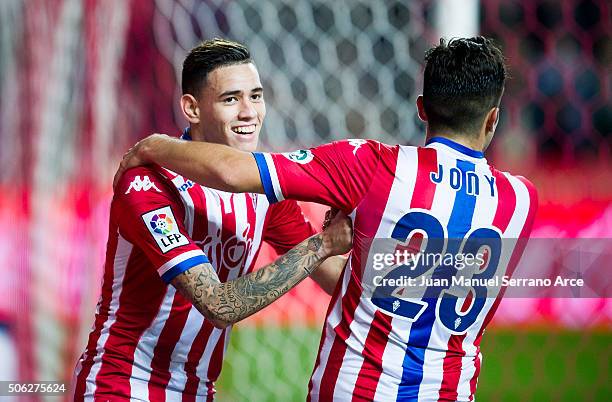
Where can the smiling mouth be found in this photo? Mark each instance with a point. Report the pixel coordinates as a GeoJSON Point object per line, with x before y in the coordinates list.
{"type": "Point", "coordinates": [244, 130]}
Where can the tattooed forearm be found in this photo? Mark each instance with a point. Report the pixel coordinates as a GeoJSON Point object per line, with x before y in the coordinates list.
{"type": "Point", "coordinates": [229, 302]}
{"type": "Point", "coordinates": [315, 243]}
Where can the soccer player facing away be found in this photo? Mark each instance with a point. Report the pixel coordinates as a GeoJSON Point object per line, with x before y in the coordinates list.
{"type": "Point", "coordinates": [390, 348]}
{"type": "Point", "coordinates": [180, 256]}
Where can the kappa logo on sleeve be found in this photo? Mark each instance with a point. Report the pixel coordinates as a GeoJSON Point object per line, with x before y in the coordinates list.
{"type": "Point", "coordinates": [163, 227]}
{"type": "Point", "coordinates": [139, 184]}
{"type": "Point", "coordinates": [303, 156]}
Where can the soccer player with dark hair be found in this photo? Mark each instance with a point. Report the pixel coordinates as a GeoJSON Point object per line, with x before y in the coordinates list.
{"type": "Point", "coordinates": [426, 346]}
{"type": "Point", "coordinates": [180, 256]}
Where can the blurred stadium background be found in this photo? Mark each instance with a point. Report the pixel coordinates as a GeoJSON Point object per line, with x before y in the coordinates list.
{"type": "Point", "coordinates": [81, 80]}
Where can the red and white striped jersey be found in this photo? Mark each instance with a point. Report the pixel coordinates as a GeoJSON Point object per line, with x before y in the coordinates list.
{"type": "Point", "coordinates": [394, 348]}
{"type": "Point", "coordinates": [148, 342]}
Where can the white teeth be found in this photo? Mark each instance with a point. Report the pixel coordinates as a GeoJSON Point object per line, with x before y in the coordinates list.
{"type": "Point", "coordinates": [244, 129]}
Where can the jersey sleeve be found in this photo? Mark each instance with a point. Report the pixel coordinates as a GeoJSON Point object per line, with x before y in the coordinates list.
{"type": "Point", "coordinates": [150, 215]}
{"type": "Point", "coordinates": [533, 206]}
{"type": "Point", "coordinates": [336, 174]}
{"type": "Point", "coordinates": [286, 226]}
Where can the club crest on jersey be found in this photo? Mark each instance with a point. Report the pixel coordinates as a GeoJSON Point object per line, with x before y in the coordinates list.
{"type": "Point", "coordinates": [162, 225]}
{"type": "Point", "coordinates": [144, 184]}
{"type": "Point", "coordinates": [303, 156]}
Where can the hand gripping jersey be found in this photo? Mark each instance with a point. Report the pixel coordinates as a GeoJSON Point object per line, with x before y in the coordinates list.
{"type": "Point", "coordinates": [394, 348]}
{"type": "Point", "coordinates": [148, 342]}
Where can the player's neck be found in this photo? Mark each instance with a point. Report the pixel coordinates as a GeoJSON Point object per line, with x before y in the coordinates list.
{"type": "Point", "coordinates": [476, 143]}
{"type": "Point", "coordinates": [194, 133]}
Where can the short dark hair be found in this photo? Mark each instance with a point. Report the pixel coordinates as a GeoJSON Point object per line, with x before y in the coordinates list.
{"type": "Point", "coordinates": [463, 80]}
{"type": "Point", "coordinates": [208, 56]}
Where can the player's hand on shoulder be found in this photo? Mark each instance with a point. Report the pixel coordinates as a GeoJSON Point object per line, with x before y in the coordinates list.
{"type": "Point", "coordinates": [138, 155]}
{"type": "Point", "coordinates": [337, 233]}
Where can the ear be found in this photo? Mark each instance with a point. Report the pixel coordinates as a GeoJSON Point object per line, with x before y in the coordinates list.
{"type": "Point", "coordinates": [190, 108]}
{"type": "Point", "coordinates": [421, 109]}
{"type": "Point", "coordinates": [492, 120]}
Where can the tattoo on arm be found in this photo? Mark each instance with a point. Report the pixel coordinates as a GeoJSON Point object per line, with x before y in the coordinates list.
{"type": "Point", "coordinates": [235, 300]}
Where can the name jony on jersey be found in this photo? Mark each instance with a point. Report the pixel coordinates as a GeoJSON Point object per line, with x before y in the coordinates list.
{"type": "Point", "coordinates": [458, 179]}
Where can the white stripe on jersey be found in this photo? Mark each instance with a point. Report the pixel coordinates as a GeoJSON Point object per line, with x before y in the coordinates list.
{"type": "Point", "coordinates": [261, 207]}
{"type": "Point", "coordinates": [173, 396]}
{"type": "Point", "coordinates": [517, 222]}
{"type": "Point", "coordinates": [122, 255]}
{"type": "Point", "coordinates": [178, 181]}
{"type": "Point", "coordinates": [240, 213]}
{"type": "Point", "coordinates": [353, 358]}
{"type": "Point", "coordinates": [202, 370]}
{"type": "Point", "coordinates": [486, 206]}
{"type": "Point", "coordinates": [274, 176]}
{"type": "Point", "coordinates": [144, 352]}
{"type": "Point", "coordinates": [177, 260]}
{"type": "Point", "coordinates": [227, 201]}
{"type": "Point", "coordinates": [178, 376]}
{"type": "Point", "coordinates": [215, 216]}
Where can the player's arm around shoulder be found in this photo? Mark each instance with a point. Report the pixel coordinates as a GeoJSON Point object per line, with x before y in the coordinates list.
{"type": "Point", "coordinates": [227, 303]}
{"type": "Point", "coordinates": [213, 165]}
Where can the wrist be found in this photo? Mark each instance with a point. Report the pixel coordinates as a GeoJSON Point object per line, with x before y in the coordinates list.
{"type": "Point", "coordinates": [316, 245]}
{"type": "Point", "coordinates": [325, 250]}
{"type": "Point", "coordinates": [149, 152]}
{"type": "Point", "coordinates": [144, 153]}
